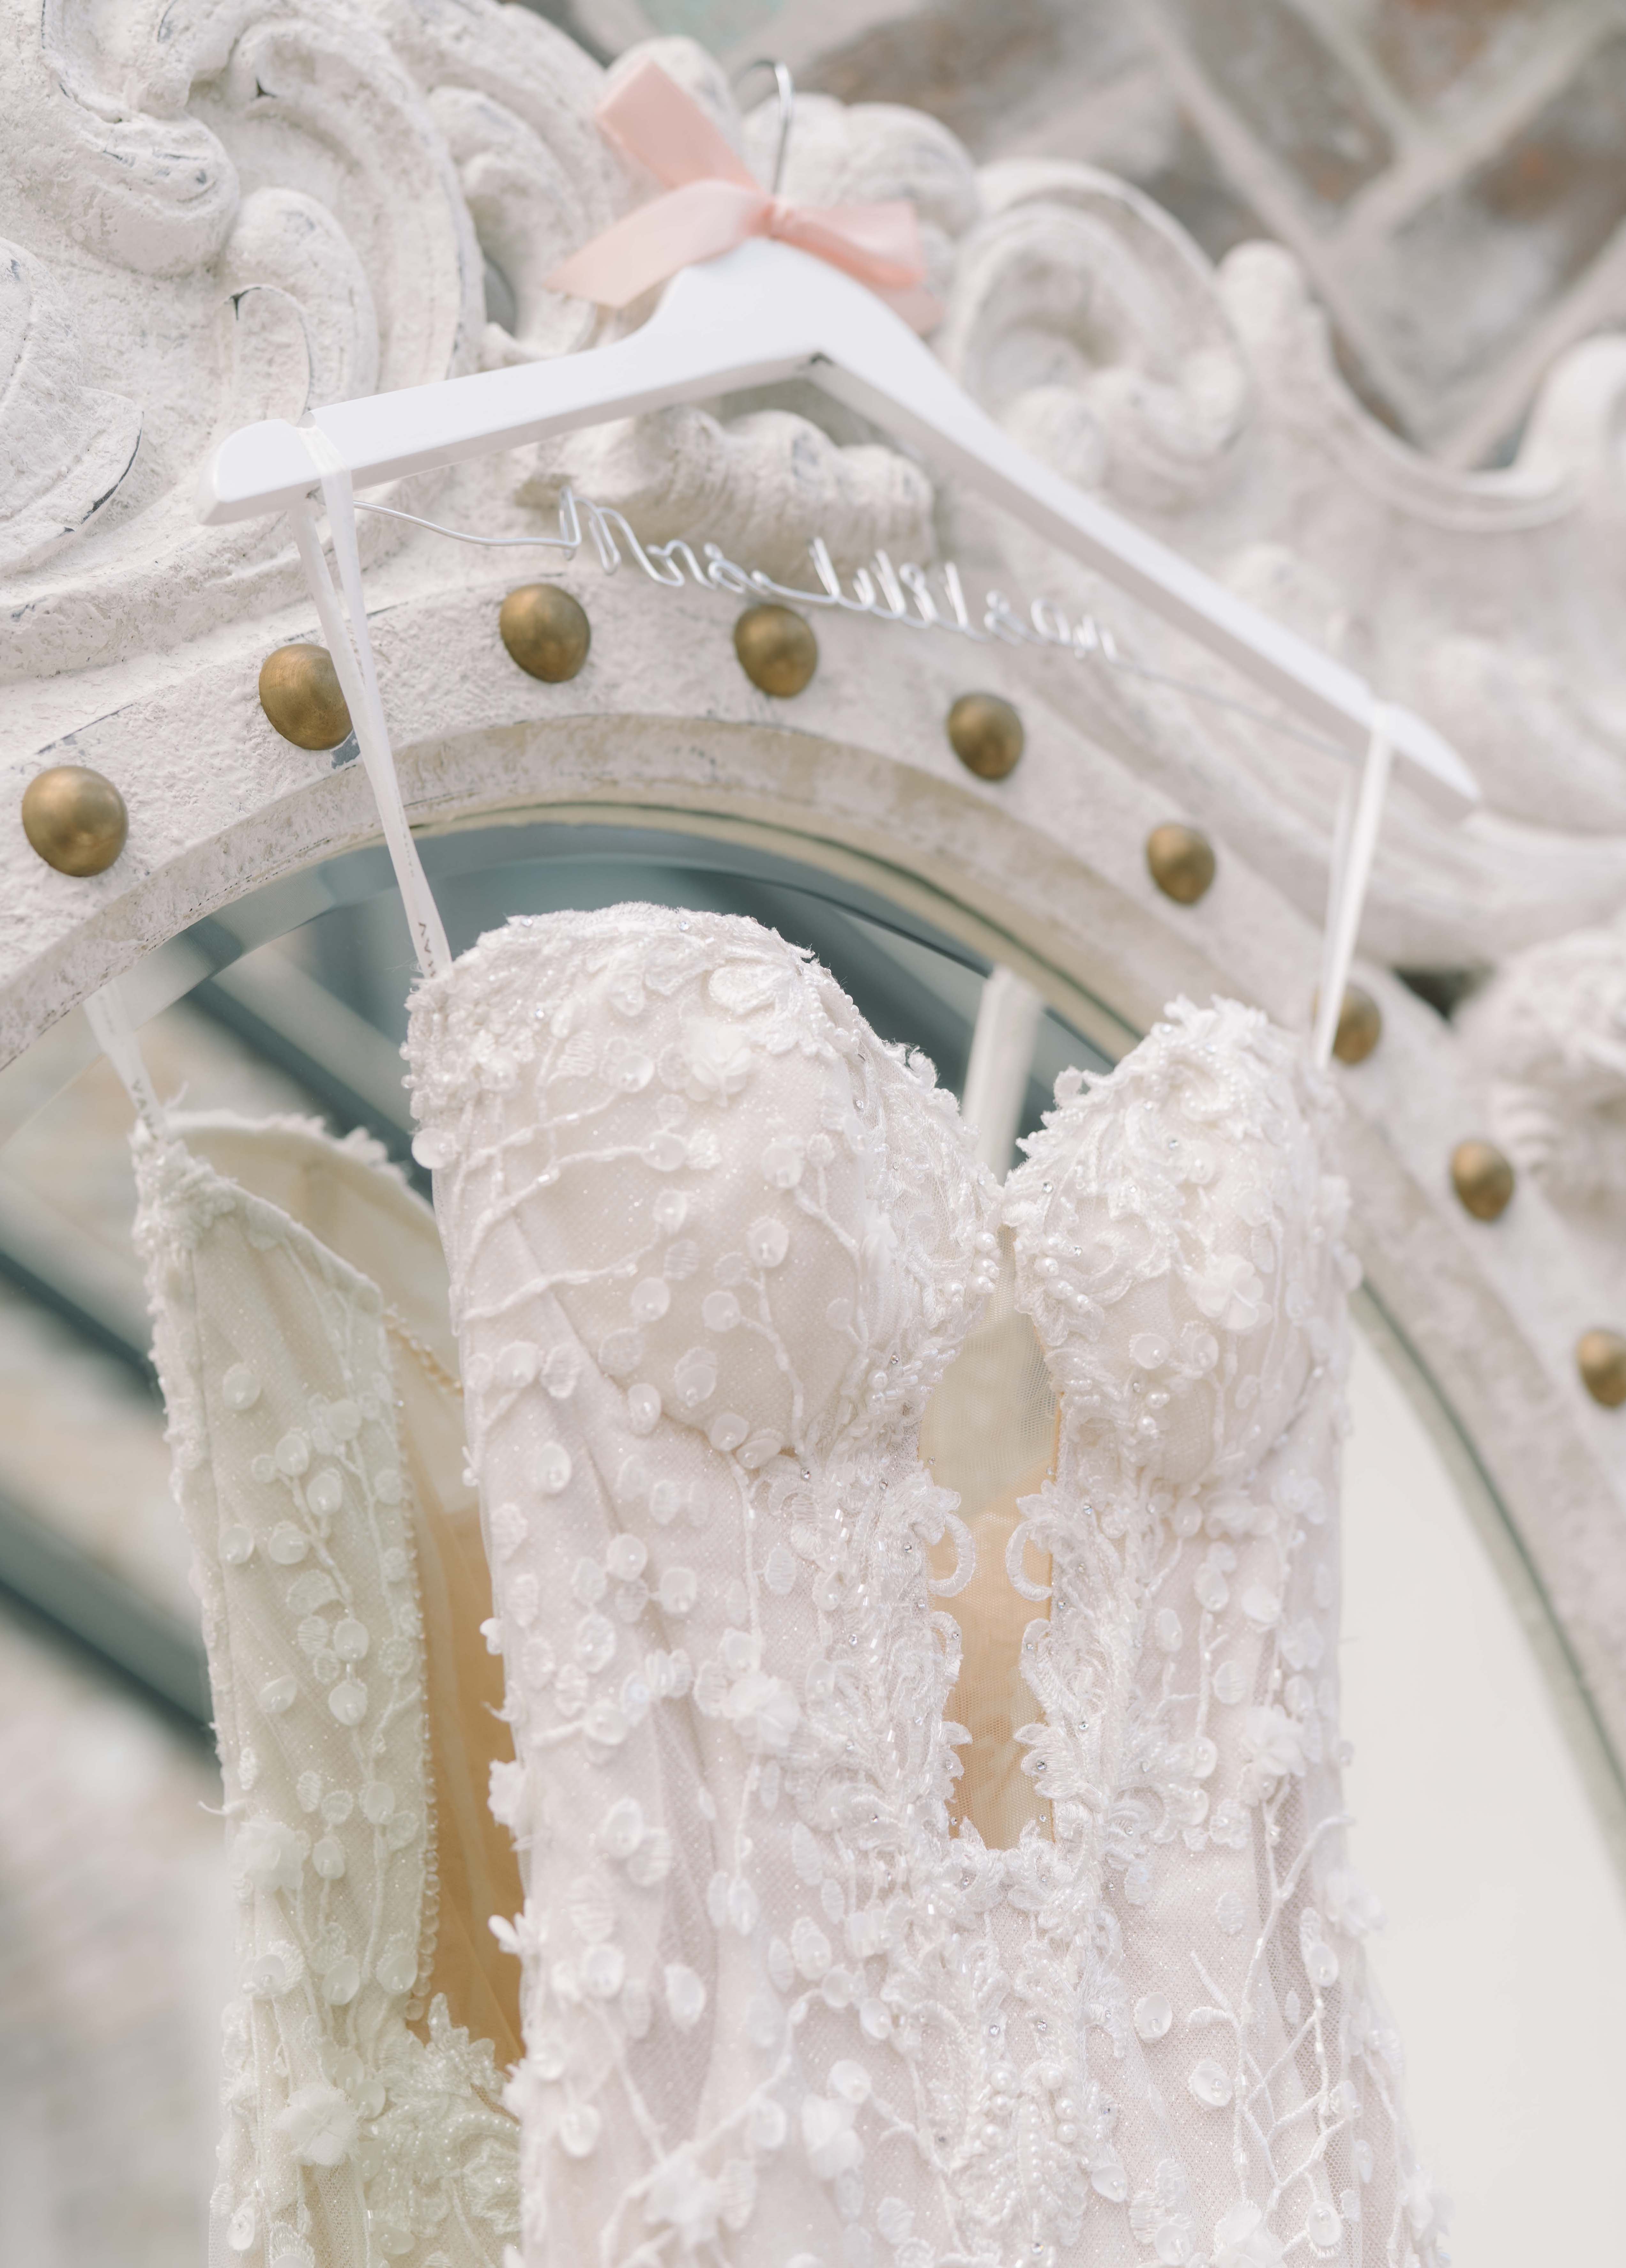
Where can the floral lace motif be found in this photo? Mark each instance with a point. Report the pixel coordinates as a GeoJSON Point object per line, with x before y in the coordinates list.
{"type": "Point", "coordinates": [348, 2137]}
{"type": "Point", "coordinates": [711, 1246]}
{"type": "Point", "coordinates": [1179, 1244]}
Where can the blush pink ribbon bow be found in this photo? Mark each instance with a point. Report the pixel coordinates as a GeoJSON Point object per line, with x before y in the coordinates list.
{"type": "Point", "coordinates": [713, 202]}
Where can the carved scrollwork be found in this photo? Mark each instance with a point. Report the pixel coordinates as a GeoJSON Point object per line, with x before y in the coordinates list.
{"type": "Point", "coordinates": [337, 181]}
{"type": "Point", "coordinates": [95, 123]}
{"type": "Point", "coordinates": [1506, 699]}
{"type": "Point", "coordinates": [513, 100]}
{"type": "Point", "coordinates": [527, 217]}
{"type": "Point", "coordinates": [1085, 320]}
{"type": "Point", "coordinates": [348, 264]}
{"type": "Point", "coordinates": [64, 447]}
{"type": "Point", "coordinates": [1285, 334]}
{"type": "Point", "coordinates": [1548, 1036]}
{"type": "Point", "coordinates": [760, 484]}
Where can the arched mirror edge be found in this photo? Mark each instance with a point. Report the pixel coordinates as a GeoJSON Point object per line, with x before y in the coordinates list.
{"type": "Point", "coordinates": [1076, 977]}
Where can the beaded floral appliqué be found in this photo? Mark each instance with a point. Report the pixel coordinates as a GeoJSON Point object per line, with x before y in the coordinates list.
{"type": "Point", "coordinates": [348, 2136]}
{"type": "Point", "coordinates": [1179, 1244]}
{"type": "Point", "coordinates": [712, 1244]}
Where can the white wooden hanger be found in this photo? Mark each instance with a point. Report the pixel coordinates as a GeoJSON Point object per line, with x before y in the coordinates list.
{"type": "Point", "coordinates": [765, 312]}
{"type": "Point", "coordinates": [762, 313]}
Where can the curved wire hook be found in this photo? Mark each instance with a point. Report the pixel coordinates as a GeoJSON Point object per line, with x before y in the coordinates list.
{"type": "Point", "coordinates": [785, 87]}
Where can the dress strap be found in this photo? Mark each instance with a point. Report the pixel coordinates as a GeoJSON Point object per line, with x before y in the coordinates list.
{"type": "Point", "coordinates": [1360, 813]}
{"type": "Point", "coordinates": [109, 1019]}
{"type": "Point", "coordinates": [351, 644]}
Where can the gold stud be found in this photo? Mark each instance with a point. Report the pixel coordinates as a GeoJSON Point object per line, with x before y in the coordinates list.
{"type": "Point", "coordinates": [777, 649]}
{"type": "Point", "coordinates": [1600, 1356]}
{"type": "Point", "coordinates": [985, 734]}
{"type": "Point", "coordinates": [1180, 861]}
{"type": "Point", "coordinates": [1360, 1025]}
{"type": "Point", "coordinates": [546, 631]}
{"type": "Point", "coordinates": [300, 694]}
{"type": "Point", "coordinates": [74, 818]}
{"type": "Point", "coordinates": [1482, 1178]}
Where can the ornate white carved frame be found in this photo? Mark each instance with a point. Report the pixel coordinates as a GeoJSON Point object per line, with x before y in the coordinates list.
{"type": "Point", "coordinates": [243, 208]}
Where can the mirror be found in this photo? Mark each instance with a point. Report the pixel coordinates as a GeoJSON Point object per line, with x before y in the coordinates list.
{"type": "Point", "coordinates": [1490, 1811]}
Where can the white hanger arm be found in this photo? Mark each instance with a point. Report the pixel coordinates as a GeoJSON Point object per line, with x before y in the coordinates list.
{"type": "Point", "coordinates": [109, 1015]}
{"type": "Point", "coordinates": [765, 312]}
{"type": "Point", "coordinates": [712, 332]}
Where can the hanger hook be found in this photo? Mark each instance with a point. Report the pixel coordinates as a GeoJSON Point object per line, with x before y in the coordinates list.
{"type": "Point", "coordinates": [787, 89]}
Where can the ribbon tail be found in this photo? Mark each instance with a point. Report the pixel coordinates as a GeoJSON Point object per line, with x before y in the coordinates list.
{"type": "Point", "coordinates": [649, 244]}
{"type": "Point", "coordinates": [878, 245]}
{"type": "Point", "coordinates": [881, 241]}
{"type": "Point", "coordinates": [917, 307]}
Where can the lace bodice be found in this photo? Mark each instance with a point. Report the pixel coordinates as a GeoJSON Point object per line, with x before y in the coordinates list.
{"type": "Point", "coordinates": [711, 1246]}
{"type": "Point", "coordinates": [1180, 1245]}
{"type": "Point", "coordinates": [317, 1455]}
{"type": "Point", "coordinates": [713, 1251]}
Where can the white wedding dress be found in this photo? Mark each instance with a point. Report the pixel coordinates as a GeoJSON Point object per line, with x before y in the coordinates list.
{"type": "Point", "coordinates": [711, 1246]}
